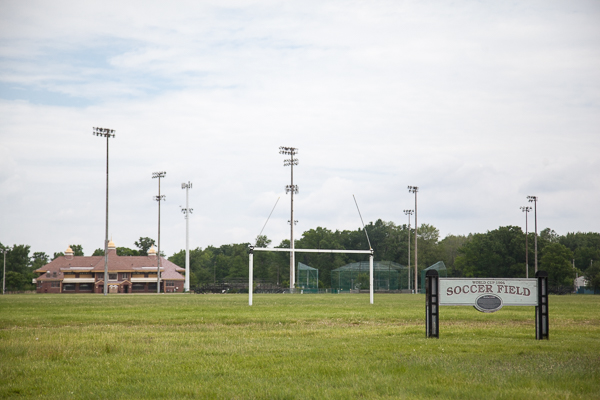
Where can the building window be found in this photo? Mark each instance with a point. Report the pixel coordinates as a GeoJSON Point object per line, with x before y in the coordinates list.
{"type": "Point", "coordinates": [54, 284]}
{"type": "Point", "coordinates": [152, 287]}
{"type": "Point", "coordinates": [138, 287]}
{"type": "Point", "coordinates": [54, 274]}
{"type": "Point", "coordinates": [68, 287]}
{"type": "Point", "coordinates": [112, 277]}
{"type": "Point", "coordinates": [125, 275]}
{"type": "Point", "coordinates": [100, 276]}
{"type": "Point", "coordinates": [86, 287]}
{"type": "Point", "coordinates": [170, 283]}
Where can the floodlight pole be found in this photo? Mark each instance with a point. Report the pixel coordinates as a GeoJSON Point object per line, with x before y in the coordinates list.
{"type": "Point", "coordinates": [291, 188]}
{"type": "Point", "coordinates": [158, 198]}
{"type": "Point", "coordinates": [186, 211]}
{"type": "Point", "coordinates": [409, 213]}
{"type": "Point", "coordinates": [107, 133]}
{"type": "Point", "coordinates": [415, 189]}
{"type": "Point", "coordinates": [534, 199]}
{"type": "Point", "coordinates": [526, 211]}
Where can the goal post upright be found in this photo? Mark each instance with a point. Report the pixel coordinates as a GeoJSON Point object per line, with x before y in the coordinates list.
{"type": "Point", "coordinates": [371, 276]}
{"type": "Point", "coordinates": [250, 274]}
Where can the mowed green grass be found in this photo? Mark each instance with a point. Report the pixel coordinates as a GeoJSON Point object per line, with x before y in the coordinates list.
{"type": "Point", "coordinates": [291, 346]}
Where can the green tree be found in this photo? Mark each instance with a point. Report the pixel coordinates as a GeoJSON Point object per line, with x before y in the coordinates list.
{"type": "Point", "coordinates": [496, 254]}
{"type": "Point", "coordinates": [556, 261]}
{"type": "Point", "coordinates": [17, 259]}
{"type": "Point", "coordinates": [264, 262]}
{"type": "Point", "coordinates": [98, 252]}
{"type": "Point", "coordinates": [592, 276]}
{"type": "Point", "coordinates": [262, 241]}
{"type": "Point", "coordinates": [144, 244]}
{"type": "Point", "coordinates": [18, 267]}
{"type": "Point", "coordinates": [584, 256]}
{"type": "Point", "coordinates": [16, 281]}
{"type": "Point", "coordinates": [429, 251]}
{"type": "Point", "coordinates": [38, 260]}
{"type": "Point", "coordinates": [449, 250]}
{"type": "Point", "coordinates": [125, 251]}
{"type": "Point", "coordinates": [77, 250]}
{"type": "Point", "coordinates": [574, 240]}
{"type": "Point", "coordinates": [57, 254]}
{"type": "Point", "coordinates": [549, 235]}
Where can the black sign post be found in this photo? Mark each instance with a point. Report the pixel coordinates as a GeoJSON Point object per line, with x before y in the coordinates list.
{"type": "Point", "coordinates": [541, 310]}
{"type": "Point", "coordinates": [432, 304]}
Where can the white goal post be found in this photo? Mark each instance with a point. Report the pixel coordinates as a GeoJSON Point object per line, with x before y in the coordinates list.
{"type": "Point", "coordinates": [294, 250]}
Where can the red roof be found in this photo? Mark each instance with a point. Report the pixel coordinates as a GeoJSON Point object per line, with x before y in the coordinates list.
{"type": "Point", "coordinates": [94, 264]}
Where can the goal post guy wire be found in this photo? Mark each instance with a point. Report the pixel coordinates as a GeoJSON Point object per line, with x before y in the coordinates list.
{"type": "Point", "coordinates": [263, 228]}
{"type": "Point", "coordinates": [363, 223]}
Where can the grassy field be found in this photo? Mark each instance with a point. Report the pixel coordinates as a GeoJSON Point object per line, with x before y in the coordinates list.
{"type": "Point", "coordinates": [291, 346]}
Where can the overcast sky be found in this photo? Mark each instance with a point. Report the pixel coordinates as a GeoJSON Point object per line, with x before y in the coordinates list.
{"type": "Point", "coordinates": [479, 104]}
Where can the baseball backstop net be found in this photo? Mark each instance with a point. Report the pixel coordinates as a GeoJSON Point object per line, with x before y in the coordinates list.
{"type": "Point", "coordinates": [307, 277]}
{"type": "Point", "coordinates": [387, 276]}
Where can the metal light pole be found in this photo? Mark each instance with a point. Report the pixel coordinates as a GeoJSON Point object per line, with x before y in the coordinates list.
{"type": "Point", "coordinates": [534, 199]}
{"type": "Point", "coordinates": [291, 188]}
{"type": "Point", "coordinates": [409, 213]}
{"type": "Point", "coordinates": [158, 198]}
{"type": "Point", "coordinates": [526, 211]}
{"type": "Point", "coordinates": [107, 133]}
{"type": "Point", "coordinates": [4, 272]}
{"type": "Point", "coordinates": [415, 189]}
{"type": "Point", "coordinates": [186, 211]}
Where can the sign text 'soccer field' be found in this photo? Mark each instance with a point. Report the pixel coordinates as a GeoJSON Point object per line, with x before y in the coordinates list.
{"type": "Point", "coordinates": [488, 295]}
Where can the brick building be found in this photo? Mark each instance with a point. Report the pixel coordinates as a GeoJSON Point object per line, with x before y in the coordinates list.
{"type": "Point", "coordinates": [126, 274]}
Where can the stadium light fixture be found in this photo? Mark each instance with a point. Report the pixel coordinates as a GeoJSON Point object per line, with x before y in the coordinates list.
{"type": "Point", "coordinates": [534, 199]}
{"type": "Point", "coordinates": [186, 211]}
{"type": "Point", "coordinates": [409, 213]}
{"type": "Point", "coordinates": [526, 211]}
{"type": "Point", "coordinates": [415, 189]}
{"type": "Point", "coordinates": [292, 189]}
{"type": "Point", "coordinates": [158, 198]}
{"type": "Point", "coordinates": [107, 133]}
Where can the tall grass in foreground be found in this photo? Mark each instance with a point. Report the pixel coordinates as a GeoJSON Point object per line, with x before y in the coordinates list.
{"type": "Point", "coordinates": [291, 346]}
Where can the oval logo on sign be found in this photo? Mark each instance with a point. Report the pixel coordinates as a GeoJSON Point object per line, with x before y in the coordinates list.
{"type": "Point", "coordinates": [488, 303]}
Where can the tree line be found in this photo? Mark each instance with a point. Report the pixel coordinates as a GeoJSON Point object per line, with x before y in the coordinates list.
{"type": "Point", "coordinates": [499, 253]}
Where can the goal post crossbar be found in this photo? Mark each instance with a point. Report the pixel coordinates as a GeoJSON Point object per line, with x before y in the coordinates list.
{"type": "Point", "coordinates": [294, 250]}
{"type": "Point", "coordinates": [312, 250]}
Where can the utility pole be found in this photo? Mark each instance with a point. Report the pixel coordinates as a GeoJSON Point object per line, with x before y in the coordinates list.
{"type": "Point", "coordinates": [107, 133]}
{"type": "Point", "coordinates": [186, 211]}
{"type": "Point", "coordinates": [526, 211]}
{"type": "Point", "coordinates": [158, 198]}
{"type": "Point", "coordinates": [534, 199]}
{"type": "Point", "coordinates": [292, 189]}
{"type": "Point", "coordinates": [415, 189]}
{"type": "Point", "coordinates": [409, 213]}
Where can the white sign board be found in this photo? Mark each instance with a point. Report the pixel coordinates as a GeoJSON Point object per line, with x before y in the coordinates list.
{"type": "Point", "coordinates": [488, 295]}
